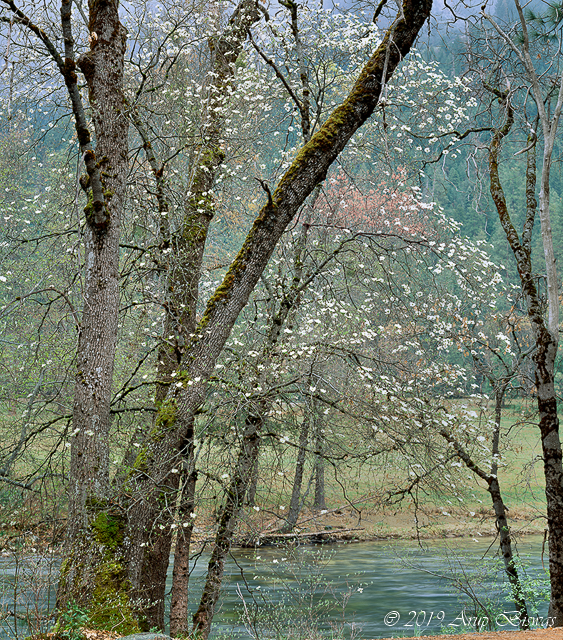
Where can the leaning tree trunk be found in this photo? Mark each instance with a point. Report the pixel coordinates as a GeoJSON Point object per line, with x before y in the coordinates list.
{"type": "Point", "coordinates": [493, 487]}
{"type": "Point", "coordinates": [309, 168]}
{"type": "Point", "coordinates": [501, 521]}
{"type": "Point", "coordinates": [185, 248]}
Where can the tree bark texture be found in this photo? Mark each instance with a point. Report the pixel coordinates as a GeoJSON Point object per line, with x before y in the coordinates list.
{"type": "Point", "coordinates": [181, 574]}
{"type": "Point", "coordinates": [254, 477]}
{"type": "Point", "coordinates": [106, 553]}
{"type": "Point", "coordinates": [544, 368]}
{"type": "Point", "coordinates": [185, 249]}
{"type": "Point", "coordinates": [92, 573]}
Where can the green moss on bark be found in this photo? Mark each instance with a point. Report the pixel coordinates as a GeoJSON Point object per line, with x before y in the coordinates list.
{"type": "Point", "coordinates": [165, 417]}
{"type": "Point", "coordinates": [109, 529]}
{"type": "Point", "coordinates": [111, 605]}
{"type": "Point", "coordinates": [111, 608]}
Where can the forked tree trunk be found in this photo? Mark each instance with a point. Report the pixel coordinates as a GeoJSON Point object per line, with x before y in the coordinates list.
{"type": "Point", "coordinates": [185, 248]}
{"type": "Point", "coordinates": [106, 552]}
{"type": "Point", "coordinates": [546, 331]}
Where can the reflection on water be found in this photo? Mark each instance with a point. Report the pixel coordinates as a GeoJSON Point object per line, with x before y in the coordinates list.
{"type": "Point", "coordinates": [365, 590]}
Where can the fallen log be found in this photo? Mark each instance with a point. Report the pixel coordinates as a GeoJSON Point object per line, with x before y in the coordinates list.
{"type": "Point", "coordinates": [322, 535]}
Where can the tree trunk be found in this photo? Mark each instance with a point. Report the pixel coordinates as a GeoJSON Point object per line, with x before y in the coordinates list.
{"type": "Point", "coordinates": [295, 502]}
{"type": "Point", "coordinates": [181, 574]}
{"type": "Point", "coordinates": [92, 572]}
{"type": "Point", "coordinates": [228, 518]}
{"type": "Point", "coordinates": [185, 248]}
{"type": "Point", "coordinates": [544, 359]}
{"type": "Point", "coordinates": [251, 499]}
{"type": "Point", "coordinates": [506, 551]}
{"type": "Point", "coordinates": [320, 497]}
{"type": "Point", "coordinates": [493, 487]}
{"type": "Point", "coordinates": [546, 342]}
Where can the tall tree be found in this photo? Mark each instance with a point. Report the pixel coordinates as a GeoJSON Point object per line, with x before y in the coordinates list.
{"type": "Point", "coordinates": [181, 256]}
{"type": "Point", "coordinates": [176, 414]}
{"type": "Point", "coordinates": [548, 102]}
{"type": "Point", "coordinates": [106, 165]}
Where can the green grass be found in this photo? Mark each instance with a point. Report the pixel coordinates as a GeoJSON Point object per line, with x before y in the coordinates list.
{"type": "Point", "coordinates": [366, 482]}
{"type": "Point", "coordinates": [351, 479]}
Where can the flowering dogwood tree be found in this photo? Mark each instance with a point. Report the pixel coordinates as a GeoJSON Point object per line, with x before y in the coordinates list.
{"type": "Point", "coordinates": [108, 542]}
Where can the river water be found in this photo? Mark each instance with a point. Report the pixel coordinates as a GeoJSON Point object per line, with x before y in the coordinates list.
{"type": "Point", "coordinates": [358, 590]}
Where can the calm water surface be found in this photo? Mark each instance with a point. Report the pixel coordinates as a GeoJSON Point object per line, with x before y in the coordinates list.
{"type": "Point", "coordinates": [367, 590]}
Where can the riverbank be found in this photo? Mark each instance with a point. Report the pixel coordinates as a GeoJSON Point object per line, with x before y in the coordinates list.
{"type": "Point", "coordinates": [362, 524]}
{"type": "Point", "coordinates": [343, 523]}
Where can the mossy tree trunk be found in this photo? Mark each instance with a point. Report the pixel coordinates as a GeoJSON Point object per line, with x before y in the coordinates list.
{"type": "Point", "coordinates": [548, 99]}
{"type": "Point", "coordinates": [93, 574]}
{"type": "Point", "coordinates": [184, 248]}
{"type": "Point", "coordinates": [106, 551]}
{"type": "Point", "coordinates": [307, 170]}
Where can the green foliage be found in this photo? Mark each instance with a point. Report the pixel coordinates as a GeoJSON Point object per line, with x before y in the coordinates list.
{"type": "Point", "coordinates": [535, 586]}
{"type": "Point", "coordinates": [71, 622]}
